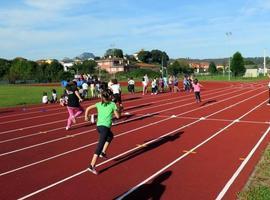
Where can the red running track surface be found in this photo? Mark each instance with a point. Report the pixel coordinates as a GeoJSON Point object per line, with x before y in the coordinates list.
{"type": "Point", "coordinates": [167, 147]}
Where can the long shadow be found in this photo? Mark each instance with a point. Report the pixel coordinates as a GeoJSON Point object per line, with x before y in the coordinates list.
{"type": "Point", "coordinates": [133, 120]}
{"type": "Point", "coordinates": [149, 147]}
{"type": "Point", "coordinates": [132, 98]}
{"type": "Point", "coordinates": [139, 106]}
{"type": "Point", "coordinates": [6, 111]}
{"type": "Point", "coordinates": [153, 190]}
{"type": "Point", "coordinates": [208, 102]}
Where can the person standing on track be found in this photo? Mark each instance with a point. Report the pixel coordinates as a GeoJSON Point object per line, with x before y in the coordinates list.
{"type": "Point", "coordinates": [73, 103]}
{"type": "Point", "coordinates": [105, 110]}
{"type": "Point", "coordinates": [116, 93]}
{"type": "Point", "coordinates": [197, 90]}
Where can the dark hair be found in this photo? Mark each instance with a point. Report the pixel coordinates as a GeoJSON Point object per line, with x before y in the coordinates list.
{"type": "Point", "coordinates": [53, 90]}
{"type": "Point", "coordinates": [44, 93]}
{"type": "Point", "coordinates": [114, 81]}
{"type": "Point", "coordinates": [106, 95]}
{"type": "Point", "coordinates": [195, 81]}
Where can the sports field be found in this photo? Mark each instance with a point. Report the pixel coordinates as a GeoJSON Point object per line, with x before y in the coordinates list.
{"type": "Point", "coordinates": [166, 146]}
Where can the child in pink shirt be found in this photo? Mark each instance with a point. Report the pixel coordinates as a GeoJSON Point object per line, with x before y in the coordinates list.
{"type": "Point", "coordinates": [197, 90]}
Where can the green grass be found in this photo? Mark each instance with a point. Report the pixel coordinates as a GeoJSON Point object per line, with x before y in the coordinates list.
{"type": "Point", "coordinates": [258, 186]}
{"type": "Point", "coordinates": [16, 95]}
{"type": "Point", "coordinates": [232, 78]}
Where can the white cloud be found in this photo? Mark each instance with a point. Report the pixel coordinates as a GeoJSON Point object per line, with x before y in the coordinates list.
{"type": "Point", "coordinates": [54, 4]}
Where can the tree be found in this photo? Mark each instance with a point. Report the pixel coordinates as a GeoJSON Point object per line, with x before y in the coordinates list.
{"type": "Point", "coordinates": [238, 65]}
{"type": "Point", "coordinates": [87, 66]}
{"type": "Point", "coordinates": [118, 53]}
{"type": "Point", "coordinates": [178, 67]}
{"type": "Point", "coordinates": [4, 67]}
{"type": "Point", "coordinates": [52, 71]}
{"type": "Point", "coordinates": [212, 68]}
{"type": "Point", "coordinates": [144, 56]}
{"type": "Point", "coordinates": [175, 68]}
{"type": "Point", "coordinates": [21, 69]}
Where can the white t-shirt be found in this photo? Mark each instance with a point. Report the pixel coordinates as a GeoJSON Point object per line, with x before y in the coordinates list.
{"type": "Point", "coordinates": [54, 96]}
{"type": "Point", "coordinates": [115, 88]}
{"type": "Point", "coordinates": [85, 86]}
{"type": "Point", "coordinates": [131, 82]}
{"type": "Point", "coordinates": [45, 99]}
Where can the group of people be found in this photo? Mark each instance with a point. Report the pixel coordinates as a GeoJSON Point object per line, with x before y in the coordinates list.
{"type": "Point", "coordinates": [161, 84]}
{"type": "Point", "coordinates": [45, 99]}
{"type": "Point", "coordinates": [109, 106]}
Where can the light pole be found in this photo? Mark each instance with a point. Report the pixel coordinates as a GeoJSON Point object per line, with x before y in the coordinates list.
{"type": "Point", "coordinates": [229, 34]}
{"type": "Point", "coordinates": [264, 63]}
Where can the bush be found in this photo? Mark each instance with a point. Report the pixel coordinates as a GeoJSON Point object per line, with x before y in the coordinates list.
{"type": "Point", "coordinates": [137, 74]}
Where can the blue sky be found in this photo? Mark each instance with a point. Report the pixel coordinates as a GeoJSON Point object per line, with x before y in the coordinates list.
{"type": "Point", "coordinates": [37, 29]}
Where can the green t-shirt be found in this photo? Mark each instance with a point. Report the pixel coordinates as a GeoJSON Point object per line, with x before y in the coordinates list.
{"type": "Point", "coordinates": [105, 113]}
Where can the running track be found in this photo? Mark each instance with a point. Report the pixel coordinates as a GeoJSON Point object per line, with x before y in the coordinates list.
{"type": "Point", "coordinates": [166, 147]}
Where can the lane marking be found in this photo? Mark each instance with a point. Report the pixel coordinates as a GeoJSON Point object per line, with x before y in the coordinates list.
{"type": "Point", "coordinates": [183, 156]}
{"type": "Point", "coordinates": [241, 167]}
{"type": "Point", "coordinates": [84, 132]}
{"type": "Point", "coordinates": [186, 151]}
{"type": "Point", "coordinates": [160, 171]}
{"type": "Point", "coordinates": [121, 134]}
{"type": "Point", "coordinates": [181, 100]}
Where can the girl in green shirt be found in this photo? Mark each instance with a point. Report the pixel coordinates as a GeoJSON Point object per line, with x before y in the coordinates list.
{"type": "Point", "coordinates": [105, 110]}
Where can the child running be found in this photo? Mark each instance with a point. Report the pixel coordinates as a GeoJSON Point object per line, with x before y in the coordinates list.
{"type": "Point", "coordinates": [197, 90]}
{"type": "Point", "coordinates": [73, 103]}
{"type": "Point", "coordinates": [105, 110]}
{"type": "Point", "coordinates": [116, 90]}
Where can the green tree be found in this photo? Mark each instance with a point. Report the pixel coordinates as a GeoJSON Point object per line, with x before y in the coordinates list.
{"type": "Point", "coordinates": [249, 62]}
{"type": "Point", "coordinates": [175, 68]}
{"type": "Point", "coordinates": [238, 65]}
{"type": "Point", "coordinates": [52, 71]}
{"type": "Point", "coordinates": [4, 67]}
{"type": "Point", "coordinates": [87, 66]}
{"type": "Point", "coordinates": [21, 69]}
{"type": "Point", "coordinates": [144, 56]}
{"type": "Point", "coordinates": [212, 68]}
{"type": "Point", "coordinates": [114, 53]}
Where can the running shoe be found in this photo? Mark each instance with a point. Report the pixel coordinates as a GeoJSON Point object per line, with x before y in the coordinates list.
{"type": "Point", "coordinates": [92, 169]}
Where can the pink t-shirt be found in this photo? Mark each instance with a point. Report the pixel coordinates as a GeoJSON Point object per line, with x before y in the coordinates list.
{"type": "Point", "coordinates": [197, 87]}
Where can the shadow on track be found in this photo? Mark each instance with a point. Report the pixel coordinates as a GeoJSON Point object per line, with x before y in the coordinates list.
{"type": "Point", "coordinates": [209, 102]}
{"type": "Point", "coordinates": [132, 98]}
{"type": "Point", "coordinates": [152, 190]}
{"type": "Point", "coordinates": [139, 106]}
{"type": "Point", "coordinates": [144, 149]}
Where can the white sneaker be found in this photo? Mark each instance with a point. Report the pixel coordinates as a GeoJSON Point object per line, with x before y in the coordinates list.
{"type": "Point", "coordinates": [92, 169]}
{"type": "Point", "coordinates": [67, 128]}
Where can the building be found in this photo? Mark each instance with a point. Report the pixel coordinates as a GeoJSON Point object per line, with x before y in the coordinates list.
{"type": "Point", "coordinates": [199, 66]}
{"type": "Point", "coordinates": [112, 65]}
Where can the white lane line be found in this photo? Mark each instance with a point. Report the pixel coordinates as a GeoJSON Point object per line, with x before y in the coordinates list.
{"type": "Point", "coordinates": [64, 110]}
{"type": "Point", "coordinates": [81, 133]}
{"type": "Point", "coordinates": [79, 173]}
{"type": "Point", "coordinates": [241, 167]}
{"type": "Point", "coordinates": [212, 119]}
{"type": "Point", "coordinates": [184, 155]}
{"type": "Point", "coordinates": [102, 163]}
{"type": "Point", "coordinates": [188, 96]}
{"type": "Point", "coordinates": [52, 108]}
{"type": "Point", "coordinates": [34, 134]}
{"type": "Point", "coordinates": [124, 133]}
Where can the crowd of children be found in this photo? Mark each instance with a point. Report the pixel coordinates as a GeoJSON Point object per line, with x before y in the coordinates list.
{"type": "Point", "coordinates": [111, 102]}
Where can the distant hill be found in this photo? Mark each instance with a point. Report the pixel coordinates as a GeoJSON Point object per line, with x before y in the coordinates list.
{"type": "Point", "coordinates": [85, 56]}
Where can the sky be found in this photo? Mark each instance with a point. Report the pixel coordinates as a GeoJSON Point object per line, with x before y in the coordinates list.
{"type": "Point", "coordinates": [42, 29]}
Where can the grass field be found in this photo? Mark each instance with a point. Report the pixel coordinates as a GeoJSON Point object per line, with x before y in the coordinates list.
{"type": "Point", "coordinates": [18, 95]}
{"type": "Point", "coordinates": [258, 186]}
